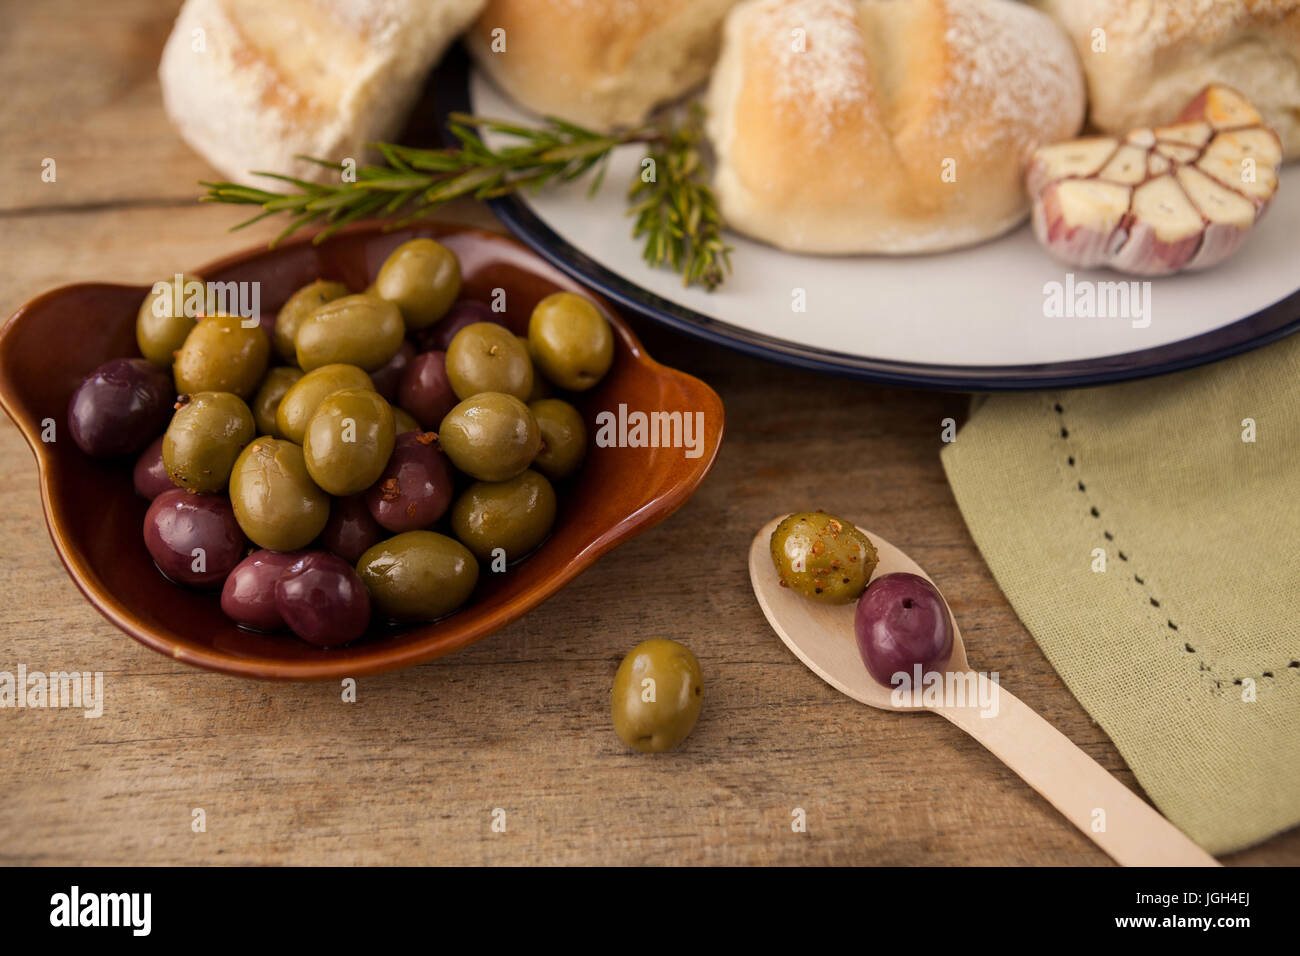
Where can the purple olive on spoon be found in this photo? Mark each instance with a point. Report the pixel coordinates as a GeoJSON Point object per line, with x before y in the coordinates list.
{"type": "Point", "coordinates": [824, 637]}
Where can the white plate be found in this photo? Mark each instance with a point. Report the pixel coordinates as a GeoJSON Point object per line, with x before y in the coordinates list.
{"type": "Point", "coordinates": [975, 318]}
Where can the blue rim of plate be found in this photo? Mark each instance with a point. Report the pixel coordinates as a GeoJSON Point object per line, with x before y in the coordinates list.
{"type": "Point", "coordinates": [451, 83]}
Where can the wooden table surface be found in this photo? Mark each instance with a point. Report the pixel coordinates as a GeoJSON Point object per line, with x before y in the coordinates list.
{"type": "Point", "coordinates": [413, 771]}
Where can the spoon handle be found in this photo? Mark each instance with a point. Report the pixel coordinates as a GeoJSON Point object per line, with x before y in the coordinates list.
{"type": "Point", "coordinates": [1127, 828]}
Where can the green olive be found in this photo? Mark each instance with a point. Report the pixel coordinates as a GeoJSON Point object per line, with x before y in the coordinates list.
{"type": "Point", "coordinates": [514, 515]}
{"type": "Point", "coordinates": [418, 575]}
{"type": "Point", "coordinates": [349, 440]}
{"type": "Point", "coordinates": [204, 438]}
{"type": "Point", "coordinates": [541, 387]}
{"type": "Point", "coordinates": [276, 503]}
{"type": "Point", "coordinates": [221, 354]}
{"type": "Point", "coordinates": [162, 325]}
{"type": "Point", "coordinates": [570, 341]}
{"type": "Point", "coordinates": [422, 278]}
{"type": "Point", "coordinates": [359, 330]}
{"type": "Point", "coordinates": [275, 386]}
{"type": "Point", "coordinates": [491, 437]}
{"type": "Point", "coordinates": [657, 694]}
{"type": "Point", "coordinates": [304, 397]}
{"type": "Point", "coordinates": [564, 438]}
{"type": "Point", "coordinates": [403, 422]}
{"type": "Point", "coordinates": [300, 305]}
{"type": "Point", "coordinates": [486, 357]}
{"type": "Point", "coordinates": [823, 557]}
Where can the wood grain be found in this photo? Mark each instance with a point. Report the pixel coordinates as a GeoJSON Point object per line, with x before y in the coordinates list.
{"type": "Point", "coordinates": [412, 771]}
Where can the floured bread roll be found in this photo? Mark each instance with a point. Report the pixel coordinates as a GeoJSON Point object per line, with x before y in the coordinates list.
{"type": "Point", "coordinates": [1145, 58]}
{"type": "Point", "coordinates": [251, 83]}
{"type": "Point", "coordinates": [598, 63]}
{"type": "Point", "coordinates": [884, 126]}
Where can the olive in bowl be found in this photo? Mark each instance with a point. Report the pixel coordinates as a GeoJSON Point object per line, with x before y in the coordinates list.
{"type": "Point", "coordinates": [491, 436]}
{"type": "Point", "coordinates": [486, 357]}
{"type": "Point", "coordinates": [161, 324]}
{"type": "Point", "coordinates": [300, 305]}
{"type": "Point", "coordinates": [359, 330]}
{"type": "Point", "coordinates": [205, 436]}
{"type": "Point", "coordinates": [422, 278]}
{"type": "Point", "coordinates": [222, 354]}
{"type": "Point", "coordinates": [418, 575]}
{"type": "Point", "coordinates": [570, 341]}
{"type": "Point", "coordinates": [508, 517]}
{"type": "Point", "coordinates": [120, 407]}
{"type": "Point", "coordinates": [277, 504]}
{"type": "Point", "coordinates": [193, 539]}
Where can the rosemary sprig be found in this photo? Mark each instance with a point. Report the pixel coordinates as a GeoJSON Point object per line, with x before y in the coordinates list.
{"type": "Point", "coordinates": [676, 213]}
{"type": "Point", "coordinates": [675, 210]}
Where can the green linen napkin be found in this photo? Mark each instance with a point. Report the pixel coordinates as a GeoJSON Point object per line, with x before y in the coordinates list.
{"type": "Point", "coordinates": [1186, 648]}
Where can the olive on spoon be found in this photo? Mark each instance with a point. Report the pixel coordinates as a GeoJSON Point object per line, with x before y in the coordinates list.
{"type": "Point", "coordinates": [822, 636]}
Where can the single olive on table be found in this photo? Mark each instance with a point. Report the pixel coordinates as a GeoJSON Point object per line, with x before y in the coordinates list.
{"type": "Point", "coordinates": [823, 557]}
{"type": "Point", "coordinates": [657, 695]}
{"type": "Point", "coordinates": [375, 474]}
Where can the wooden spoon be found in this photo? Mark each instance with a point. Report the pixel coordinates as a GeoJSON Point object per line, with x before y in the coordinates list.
{"type": "Point", "coordinates": [1127, 828]}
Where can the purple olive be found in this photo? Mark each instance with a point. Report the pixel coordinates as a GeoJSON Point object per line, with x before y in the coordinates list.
{"type": "Point", "coordinates": [321, 598]}
{"type": "Point", "coordinates": [350, 531]}
{"type": "Point", "coordinates": [248, 596]}
{"type": "Point", "coordinates": [194, 539]}
{"type": "Point", "coordinates": [120, 407]}
{"type": "Point", "coordinates": [463, 313]}
{"type": "Point", "coordinates": [416, 487]}
{"type": "Point", "coordinates": [425, 391]}
{"type": "Point", "coordinates": [388, 376]}
{"type": "Point", "coordinates": [149, 476]}
{"type": "Point", "coordinates": [902, 621]}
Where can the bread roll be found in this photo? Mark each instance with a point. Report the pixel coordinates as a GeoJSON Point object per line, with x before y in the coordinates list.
{"type": "Point", "coordinates": [1144, 59]}
{"type": "Point", "coordinates": [251, 83]}
{"type": "Point", "coordinates": [881, 126]}
{"type": "Point", "coordinates": [597, 63]}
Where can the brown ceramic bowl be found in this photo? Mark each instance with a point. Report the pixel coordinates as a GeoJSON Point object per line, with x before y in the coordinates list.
{"type": "Point", "coordinates": [95, 518]}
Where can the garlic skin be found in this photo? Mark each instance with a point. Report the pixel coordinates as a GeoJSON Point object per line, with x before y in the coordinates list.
{"type": "Point", "coordinates": [1177, 198]}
